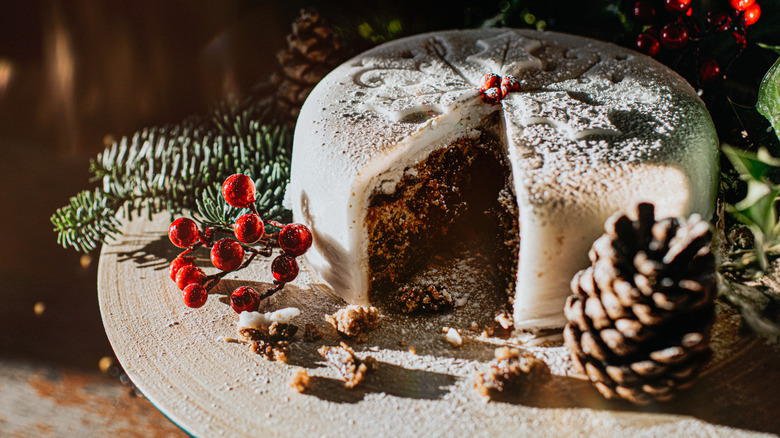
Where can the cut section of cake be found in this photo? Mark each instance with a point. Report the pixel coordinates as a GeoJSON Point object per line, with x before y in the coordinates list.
{"type": "Point", "coordinates": [395, 145]}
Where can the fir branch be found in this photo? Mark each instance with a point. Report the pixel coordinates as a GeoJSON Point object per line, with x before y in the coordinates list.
{"type": "Point", "coordinates": [89, 218]}
{"type": "Point", "coordinates": [177, 167]}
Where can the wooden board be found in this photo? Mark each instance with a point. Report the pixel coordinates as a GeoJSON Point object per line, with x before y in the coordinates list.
{"type": "Point", "coordinates": [179, 359]}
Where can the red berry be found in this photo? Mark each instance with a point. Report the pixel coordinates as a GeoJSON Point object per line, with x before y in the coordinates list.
{"type": "Point", "coordinates": [508, 85]}
{"type": "Point", "coordinates": [646, 43]}
{"type": "Point", "coordinates": [675, 35]}
{"type": "Point", "coordinates": [489, 88]}
{"type": "Point", "coordinates": [677, 6]}
{"type": "Point", "coordinates": [284, 268]}
{"type": "Point", "coordinates": [239, 191]}
{"type": "Point", "coordinates": [295, 239]}
{"type": "Point", "coordinates": [752, 14]}
{"type": "Point", "coordinates": [741, 5]}
{"type": "Point", "coordinates": [491, 96]}
{"type": "Point", "coordinates": [188, 275]}
{"type": "Point", "coordinates": [227, 254]}
{"type": "Point", "coordinates": [719, 21]}
{"type": "Point", "coordinates": [643, 11]}
{"type": "Point", "coordinates": [245, 299]}
{"type": "Point", "coordinates": [183, 232]}
{"type": "Point", "coordinates": [194, 296]}
{"type": "Point", "coordinates": [249, 228]}
{"type": "Point", "coordinates": [710, 71]}
{"type": "Point", "coordinates": [488, 81]}
{"type": "Point", "coordinates": [178, 263]}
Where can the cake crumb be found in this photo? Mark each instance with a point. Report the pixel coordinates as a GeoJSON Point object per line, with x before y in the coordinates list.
{"type": "Point", "coordinates": [402, 343]}
{"type": "Point", "coordinates": [505, 321]}
{"type": "Point", "coordinates": [272, 343]}
{"type": "Point", "coordinates": [413, 350]}
{"type": "Point", "coordinates": [351, 367]}
{"type": "Point", "coordinates": [311, 333]}
{"type": "Point", "coordinates": [299, 381]}
{"type": "Point", "coordinates": [281, 332]}
{"type": "Point", "coordinates": [511, 373]}
{"type": "Point", "coordinates": [433, 298]}
{"type": "Point", "coordinates": [453, 337]}
{"type": "Point", "coordinates": [355, 321]}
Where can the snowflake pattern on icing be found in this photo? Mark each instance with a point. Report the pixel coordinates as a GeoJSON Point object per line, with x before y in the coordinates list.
{"type": "Point", "coordinates": [507, 54]}
{"type": "Point", "coordinates": [573, 118]}
{"type": "Point", "coordinates": [424, 85]}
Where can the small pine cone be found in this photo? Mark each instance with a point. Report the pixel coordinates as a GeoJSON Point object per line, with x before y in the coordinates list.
{"type": "Point", "coordinates": [313, 50]}
{"type": "Point", "coordinates": [640, 316]}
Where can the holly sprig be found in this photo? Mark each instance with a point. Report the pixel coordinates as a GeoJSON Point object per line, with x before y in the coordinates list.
{"type": "Point", "coordinates": [181, 167]}
{"type": "Point", "coordinates": [246, 239]}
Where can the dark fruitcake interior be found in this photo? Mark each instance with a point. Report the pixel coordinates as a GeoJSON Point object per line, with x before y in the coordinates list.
{"type": "Point", "coordinates": [458, 194]}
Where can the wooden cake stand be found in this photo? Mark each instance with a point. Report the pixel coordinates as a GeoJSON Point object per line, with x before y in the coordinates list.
{"type": "Point", "coordinates": [180, 359]}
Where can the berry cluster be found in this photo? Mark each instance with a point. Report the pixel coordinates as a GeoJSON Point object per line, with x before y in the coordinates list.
{"type": "Point", "coordinates": [671, 26]}
{"type": "Point", "coordinates": [230, 253]}
{"type": "Point", "coordinates": [494, 88]}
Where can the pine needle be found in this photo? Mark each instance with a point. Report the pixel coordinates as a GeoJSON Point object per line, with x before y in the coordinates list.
{"type": "Point", "coordinates": [182, 166]}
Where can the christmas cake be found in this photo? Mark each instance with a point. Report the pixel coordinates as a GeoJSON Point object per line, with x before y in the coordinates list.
{"type": "Point", "coordinates": [397, 144]}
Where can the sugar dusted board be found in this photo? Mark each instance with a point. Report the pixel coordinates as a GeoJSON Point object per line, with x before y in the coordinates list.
{"type": "Point", "coordinates": [179, 360]}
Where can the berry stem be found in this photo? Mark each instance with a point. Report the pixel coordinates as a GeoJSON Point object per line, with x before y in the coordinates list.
{"type": "Point", "coordinates": [270, 292]}
{"type": "Point", "coordinates": [191, 249]}
{"type": "Point", "coordinates": [275, 224]}
{"type": "Point", "coordinates": [267, 251]}
{"type": "Point", "coordinates": [269, 239]}
{"type": "Point", "coordinates": [213, 280]}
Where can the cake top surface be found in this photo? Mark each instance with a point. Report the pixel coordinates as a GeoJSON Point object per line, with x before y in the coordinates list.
{"type": "Point", "coordinates": [584, 107]}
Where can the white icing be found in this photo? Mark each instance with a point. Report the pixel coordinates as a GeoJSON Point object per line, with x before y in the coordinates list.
{"type": "Point", "coordinates": [258, 320]}
{"type": "Point", "coordinates": [594, 129]}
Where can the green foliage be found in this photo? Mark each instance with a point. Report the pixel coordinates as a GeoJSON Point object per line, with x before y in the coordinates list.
{"type": "Point", "coordinates": [769, 97]}
{"type": "Point", "coordinates": [182, 167]}
{"type": "Point", "coordinates": [775, 49]}
{"type": "Point", "coordinates": [88, 219]}
{"type": "Point", "coordinates": [757, 209]}
{"type": "Point", "coordinates": [759, 303]}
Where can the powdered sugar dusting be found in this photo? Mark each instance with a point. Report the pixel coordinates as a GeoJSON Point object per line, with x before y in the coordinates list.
{"type": "Point", "coordinates": [594, 129]}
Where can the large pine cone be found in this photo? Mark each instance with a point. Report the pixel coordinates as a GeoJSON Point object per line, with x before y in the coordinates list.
{"type": "Point", "coordinates": [641, 315]}
{"type": "Point", "coordinates": [313, 50]}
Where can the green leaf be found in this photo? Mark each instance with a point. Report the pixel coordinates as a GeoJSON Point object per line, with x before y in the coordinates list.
{"type": "Point", "coordinates": [769, 97]}
{"type": "Point", "coordinates": [775, 49]}
{"type": "Point", "coordinates": [757, 209]}
{"type": "Point", "coordinates": [750, 165]}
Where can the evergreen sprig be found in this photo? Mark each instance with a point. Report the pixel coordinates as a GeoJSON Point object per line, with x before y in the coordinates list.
{"type": "Point", "coordinates": [182, 166]}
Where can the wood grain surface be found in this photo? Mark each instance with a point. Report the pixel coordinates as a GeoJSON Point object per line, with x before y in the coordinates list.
{"type": "Point", "coordinates": [179, 359]}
